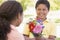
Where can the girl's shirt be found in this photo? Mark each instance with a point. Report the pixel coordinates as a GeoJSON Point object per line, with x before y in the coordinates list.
{"type": "Point", "coordinates": [14, 34]}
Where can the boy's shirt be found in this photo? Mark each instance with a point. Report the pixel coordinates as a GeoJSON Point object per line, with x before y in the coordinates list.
{"type": "Point", "coordinates": [49, 29]}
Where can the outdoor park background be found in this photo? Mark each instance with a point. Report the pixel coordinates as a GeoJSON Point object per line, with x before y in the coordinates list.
{"type": "Point", "coordinates": [29, 11]}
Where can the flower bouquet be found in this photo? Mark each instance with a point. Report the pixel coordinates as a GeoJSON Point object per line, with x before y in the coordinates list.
{"type": "Point", "coordinates": [36, 26]}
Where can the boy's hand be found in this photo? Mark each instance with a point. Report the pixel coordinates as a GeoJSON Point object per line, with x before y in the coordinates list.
{"type": "Point", "coordinates": [51, 37]}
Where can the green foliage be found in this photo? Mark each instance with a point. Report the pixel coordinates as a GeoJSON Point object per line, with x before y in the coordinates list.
{"type": "Point", "coordinates": [0, 1]}
{"type": "Point", "coordinates": [54, 4]}
{"type": "Point", "coordinates": [28, 16]}
{"type": "Point", "coordinates": [26, 3]}
{"type": "Point", "coordinates": [57, 38]}
{"type": "Point", "coordinates": [57, 20]}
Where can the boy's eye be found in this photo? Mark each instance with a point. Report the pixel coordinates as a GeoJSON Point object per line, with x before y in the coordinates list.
{"type": "Point", "coordinates": [39, 9]}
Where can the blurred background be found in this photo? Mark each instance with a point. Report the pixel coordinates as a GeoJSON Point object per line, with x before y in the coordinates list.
{"type": "Point", "coordinates": [29, 12]}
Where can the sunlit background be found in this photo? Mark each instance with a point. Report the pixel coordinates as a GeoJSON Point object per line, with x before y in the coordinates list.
{"type": "Point", "coordinates": [29, 12]}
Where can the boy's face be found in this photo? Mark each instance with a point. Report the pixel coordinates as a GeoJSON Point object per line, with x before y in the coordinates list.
{"type": "Point", "coordinates": [42, 11]}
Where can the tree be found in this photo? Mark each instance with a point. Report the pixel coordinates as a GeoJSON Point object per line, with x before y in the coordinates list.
{"type": "Point", "coordinates": [25, 3]}
{"type": "Point", "coordinates": [0, 2]}
{"type": "Point", "coordinates": [54, 4]}
{"type": "Point", "coordinates": [11, 0]}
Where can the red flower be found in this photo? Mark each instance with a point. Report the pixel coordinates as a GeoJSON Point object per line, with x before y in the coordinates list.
{"type": "Point", "coordinates": [31, 26]}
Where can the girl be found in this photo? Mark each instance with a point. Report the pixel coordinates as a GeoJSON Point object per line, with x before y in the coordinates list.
{"type": "Point", "coordinates": [11, 14]}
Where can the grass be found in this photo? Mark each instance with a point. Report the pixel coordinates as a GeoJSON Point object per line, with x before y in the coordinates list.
{"type": "Point", "coordinates": [58, 39]}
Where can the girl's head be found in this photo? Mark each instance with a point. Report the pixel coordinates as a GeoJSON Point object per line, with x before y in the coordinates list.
{"type": "Point", "coordinates": [11, 12]}
{"type": "Point", "coordinates": [42, 8]}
